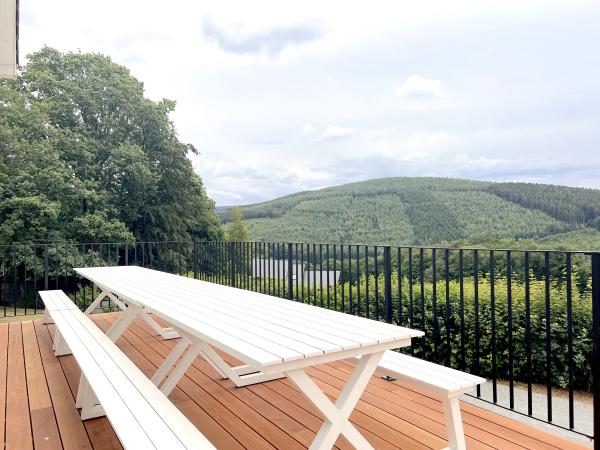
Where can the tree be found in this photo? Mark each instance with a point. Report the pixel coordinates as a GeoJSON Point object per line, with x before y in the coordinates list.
{"type": "Point", "coordinates": [237, 230]}
{"type": "Point", "coordinates": [86, 157]}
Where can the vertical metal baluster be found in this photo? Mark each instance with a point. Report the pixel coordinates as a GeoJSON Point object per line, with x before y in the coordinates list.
{"type": "Point", "coordinates": [548, 335]}
{"type": "Point", "coordinates": [314, 274]}
{"type": "Point", "coordinates": [358, 313]}
{"type": "Point", "coordinates": [376, 259]}
{"type": "Point", "coordinates": [448, 310]}
{"type": "Point", "coordinates": [367, 277]}
{"type": "Point", "coordinates": [422, 297]}
{"type": "Point", "coordinates": [296, 274]}
{"type": "Point", "coordinates": [411, 320]}
{"type": "Point", "coordinates": [399, 281]}
{"type": "Point", "coordinates": [511, 382]}
{"type": "Point", "coordinates": [278, 256]}
{"type": "Point", "coordinates": [493, 318]}
{"type": "Point", "coordinates": [476, 313]}
{"type": "Point", "coordinates": [350, 304]}
{"type": "Point", "coordinates": [302, 269]}
{"type": "Point", "coordinates": [570, 342]}
{"type": "Point", "coordinates": [335, 306]}
{"type": "Point", "coordinates": [327, 276]}
{"type": "Point", "coordinates": [321, 275]}
{"type": "Point", "coordinates": [436, 330]}
{"type": "Point", "coordinates": [340, 278]}
{"type": "Point", "coordinates": [461, 277]}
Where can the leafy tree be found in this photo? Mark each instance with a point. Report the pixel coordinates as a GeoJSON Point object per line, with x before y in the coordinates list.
{"type": "Point", "coordinates": [237, 230]}
{"type": "Point", "coordinates": [86, 157]}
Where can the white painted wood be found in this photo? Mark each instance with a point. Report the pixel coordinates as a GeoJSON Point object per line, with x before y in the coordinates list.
{"type": "Point", "coordinates": [272, 336]}
{"type": "Point", "coordinates": [448, 383]}
{"type": "Point", "coordinates": [429, 375]}
{"type": "Point", "coordinates": [175, 291]}
{"type": "Point", "coordinates": [454, 424]}
{"type": "Point", "coordinates": [140, 414]}
{"type": "Point", "coordinates": [337, 415]}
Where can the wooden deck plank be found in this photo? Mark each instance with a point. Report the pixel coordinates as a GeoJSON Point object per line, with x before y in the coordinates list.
{"type": "Point", "coordinates": [3, 369]}
{"type": "Point", "coordinates": [43, 422]}
{"type": "Point", "coordinates": [99, 430]}
{"type": "Point", "coordinates": [71, 429]}
{"type": "Point", "coordinates": [423, 418]}
{"type": "Point", "coordinates": [234, 425]}
{"type": "Point", "coordinates": [508, 431]}
{"type": "Point", "coordinates": [18, 426]}
{"type": "Point", "coordinates": [266, 415]}
{"type": "Point", "coordinates": [251, 416]}
{"type": "Point", "coordinates": [134, 346]}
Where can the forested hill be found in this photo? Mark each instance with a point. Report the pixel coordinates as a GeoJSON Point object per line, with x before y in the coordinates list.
{"type": "Point", "coordinates": [432, 211]}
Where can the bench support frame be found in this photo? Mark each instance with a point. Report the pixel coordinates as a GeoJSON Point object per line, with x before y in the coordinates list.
{"type": "Point", "coordinates": [454, 423]}
{"type": "Point", "coordinates": [165, 333]}
{"type": "Point", "coordinates": [182, 356]}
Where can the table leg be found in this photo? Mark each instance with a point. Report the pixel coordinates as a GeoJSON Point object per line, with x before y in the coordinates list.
{"type": "Point", "coordinates": [337, 415]}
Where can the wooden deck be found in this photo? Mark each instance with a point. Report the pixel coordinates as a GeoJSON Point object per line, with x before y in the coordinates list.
{"type": "Point", "coordinates": [39, 410]}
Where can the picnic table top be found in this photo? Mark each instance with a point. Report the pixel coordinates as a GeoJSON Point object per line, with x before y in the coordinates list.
{"type": "Point", "coordinates": [259, 329]}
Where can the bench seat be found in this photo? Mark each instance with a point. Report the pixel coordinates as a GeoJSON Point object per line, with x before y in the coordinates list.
{"type": "Point", "coordinates": [112, 385]}
{"type": "Point", "coordinates": [446, 383]}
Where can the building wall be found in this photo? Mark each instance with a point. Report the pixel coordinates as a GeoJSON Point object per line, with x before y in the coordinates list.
{"type": "Point", "coordinates": [8, 38]}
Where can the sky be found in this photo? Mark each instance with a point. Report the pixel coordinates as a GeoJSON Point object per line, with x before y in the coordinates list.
{"type": "Point", "coordinates": [281, 96]}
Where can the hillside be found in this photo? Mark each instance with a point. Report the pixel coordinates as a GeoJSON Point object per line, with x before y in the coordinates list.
{"type": "Point", "coordinates": [425, 211]}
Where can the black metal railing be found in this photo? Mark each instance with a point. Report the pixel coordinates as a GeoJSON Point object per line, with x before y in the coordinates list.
{"type": "Point", "coordinates": [527, 320]}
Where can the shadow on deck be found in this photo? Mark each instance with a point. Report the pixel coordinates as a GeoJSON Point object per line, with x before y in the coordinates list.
{"type": "Point", "coordinates": [37, 402]}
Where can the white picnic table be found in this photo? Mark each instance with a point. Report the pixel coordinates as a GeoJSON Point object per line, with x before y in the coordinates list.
{"type": "Point", "coordinates": [274, 337]}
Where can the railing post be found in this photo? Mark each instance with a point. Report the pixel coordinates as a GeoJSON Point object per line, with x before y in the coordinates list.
{"type": "Point", "coordinates": [596, 345]}
{"type": "Point", "coordinates": [126, 253]}
{"type": "Point", "coordinates": [290, 277]}
{"type": "Point", "coordinates": [195, 258]}
{"type": "Point", "coordinates": [387, 274]}
{"type": "Point", "coordinates": [232, 264]}
{"type": "Point", "coordinates": [45, 267]}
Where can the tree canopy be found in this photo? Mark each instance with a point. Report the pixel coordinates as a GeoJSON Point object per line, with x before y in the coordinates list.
{"type": "Point", "coordinates": [237, 230]}
{"type": "Point", "coordinates": [86, 157]}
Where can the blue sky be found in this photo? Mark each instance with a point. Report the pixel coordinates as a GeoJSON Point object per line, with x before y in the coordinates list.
{"type": "Point", "coordinates": [280, 97]}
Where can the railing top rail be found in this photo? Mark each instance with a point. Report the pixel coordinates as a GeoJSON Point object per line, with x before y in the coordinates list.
{"type": "Point", "coordinates": [352, 244]}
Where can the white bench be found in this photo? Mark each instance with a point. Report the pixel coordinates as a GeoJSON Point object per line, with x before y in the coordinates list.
{"type": "Point", "coordinates": [110, 384]}
{"type": "Point", "coordinates": [448, 383]}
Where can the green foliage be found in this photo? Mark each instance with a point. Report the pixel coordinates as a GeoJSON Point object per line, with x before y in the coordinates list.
{"type": "Point", "coordinates": [237, 230]}
{"type": "Point", "coordinates": [86, 157]}
{"type": "Point", "coordinates": [443, 341]}
{"type": "Point", "coordinates": [431, 211]}
{"type": "Point", "coordinates": [575, 206]}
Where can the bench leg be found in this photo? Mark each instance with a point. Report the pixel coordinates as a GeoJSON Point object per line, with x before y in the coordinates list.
{"type": "Point", "coordinates": [454, 424]}
{"type": "Point", "coordinates": [241, 375]}
{"type": "Point", "coordinates": [165, 333]}
{"type": "Point", "coordinates": [60, 346]}
{"type": "Point", "coordinates": [87, 401]}
{"type": "Point", "coordinates": [170, 360]}
{"type": "Point", "coordinates": [47, 318]}
{"type": "Point", "coordinates": [121, 324]}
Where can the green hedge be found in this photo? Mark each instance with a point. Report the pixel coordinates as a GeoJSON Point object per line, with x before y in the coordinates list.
{"type": "Point", "coordinates": [436, 347]}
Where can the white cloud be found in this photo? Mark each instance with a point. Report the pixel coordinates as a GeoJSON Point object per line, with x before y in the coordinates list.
{"type": "Point", "coordinates": [335, 132]}
{"type": "Point", "coordinates": [309, 128]}
{"type": "Point", "coordinates": [417, 87]}
{"type": "Point", "coordinates": [237, 39]}
{"type": "Point", "coordinates": [287, 96]}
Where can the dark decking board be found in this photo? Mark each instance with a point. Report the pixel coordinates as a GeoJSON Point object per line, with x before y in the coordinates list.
{"type": "Point", "coordinates": [37, 392]}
